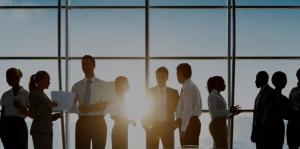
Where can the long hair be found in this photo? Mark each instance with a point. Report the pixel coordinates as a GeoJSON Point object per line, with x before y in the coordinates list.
{"type": "Point", "coordinates": [35, 77]}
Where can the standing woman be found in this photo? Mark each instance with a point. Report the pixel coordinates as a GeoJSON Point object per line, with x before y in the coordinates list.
{"type": "Point", "coordinates": [14, 104]}
{"type": "Point", "coordinates": [40, 106]}
{"type": "Point", "coordinates": [118, 113]}
{"type": "Point", "coordinates": [218, 111]}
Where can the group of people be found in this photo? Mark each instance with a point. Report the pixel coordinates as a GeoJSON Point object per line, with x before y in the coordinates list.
{"type": "Point", "coordinates": [271, 108]}
{"type": "Point", "coordinates": [170, 110]}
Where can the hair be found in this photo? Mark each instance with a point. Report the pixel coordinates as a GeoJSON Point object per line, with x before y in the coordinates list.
{"type": "Point", "coordinates": [162, 70]}
{"type": "Point", "coordinates": [89, 57]}
{"type": "Point", "coordinates": [298, 74]}
{"type": "Point", "coordinates": [12, 71]}
{"type": "Point", "coordinates": [35, 77]}
{"type": "Point", "coordinates": [263, 76]}
{"type": "Point", "coordinates": [185, 69]}
{"type": "Point", "coordinates": [279, 79]}
{"type": "Point", "coordinates": [119, 81]}
{"type": "Point", "coordinates": [211, 84]}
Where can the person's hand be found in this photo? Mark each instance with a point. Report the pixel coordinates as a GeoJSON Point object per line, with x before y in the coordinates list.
{"type": "Point", "coordinates": [235, 110]}
{"type": "Point", "coordinates": [53, 104]}
{"type": "Point", "coordinates": [56, 116]}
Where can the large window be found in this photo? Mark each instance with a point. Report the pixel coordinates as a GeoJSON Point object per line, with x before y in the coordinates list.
{"type": "Point", "coordinates": [135, 37]}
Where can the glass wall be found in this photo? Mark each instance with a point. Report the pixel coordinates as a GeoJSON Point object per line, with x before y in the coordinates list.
{"type": "Point", "coordinates": [133, 38]}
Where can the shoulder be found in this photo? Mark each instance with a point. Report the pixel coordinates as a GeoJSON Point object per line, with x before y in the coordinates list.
{"type": "Point", "coordinates": [172, 90]}
{"type": "Point", "coordinates": [6, 93]}
{"type": "Point", "coordinates": [77, 84]}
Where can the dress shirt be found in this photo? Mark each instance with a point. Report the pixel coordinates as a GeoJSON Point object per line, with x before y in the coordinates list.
{"type": "Point", "coordinates": [161, 103]}
{"type": "Point", "coordinates": [217, 105]}
{"type": "Point", "coordinates": [117, 109]}
{"type": "Point", "coordinates": [8, 98]}
{"type": "Point", "coordinates": [189, 105]}
{"type": "Point", "coordinates": [79, 89]}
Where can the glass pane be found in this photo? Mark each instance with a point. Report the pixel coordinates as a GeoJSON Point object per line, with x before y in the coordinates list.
{"type": "Point", "coordinates": [28, 32]}
{"type": "Point", "coordinates": [107, 32]}
{"type": "Point", "coordinates": [28, 2]}
{"type": "Point", "coordinates": [242, 132]}
{"type": "Point", "coordinates": [246, 71]}
{"type": "Point", "coordinates": [188, 33]}
{"type": "Point", "coordinates": [108, 2]}
{"type": "Point", "coordinates": [188, 2]}
{"type": "Point", "coordinates": [201, 70]}
{"type": "Point", "coordinates": [268, 2]}
{"type": "Point", "coordinates": [268, 32]}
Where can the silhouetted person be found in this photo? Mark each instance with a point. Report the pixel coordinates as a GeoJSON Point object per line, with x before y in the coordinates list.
{"type": "Point", "coordinates": [118, 113]}
{"type": "Point", "coordinates": [293, 127]}
{"type": "Point", "coordinates": [272, 132]}
{"type": "Point", "coordinates": [90, 115]}
{"type": "Point", "coordinates": [261, 82]}
{"type": "Point", "coordinates": [14, 104]}
{"type": "Point", "coordinates": [218, 111]}
{"type": "Point", "coordinates": [189, 107]}
{"type": "Point", "coordinates": [160, 122]}
{"type": "Point", "coordinates": [41, 107]}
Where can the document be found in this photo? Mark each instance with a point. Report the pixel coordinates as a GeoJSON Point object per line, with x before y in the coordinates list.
{"type": "Point", "coordinates": [64, 100]}
{"type": "Point", "coordinates": [104, 91]}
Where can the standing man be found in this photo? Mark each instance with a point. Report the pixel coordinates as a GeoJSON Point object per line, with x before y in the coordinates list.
{"type": "Point", "coordinates": [160, 124]}
{"type": "Point", "coordinates": [90, 126]}
{"type": "Point", "coordinates": [261, 82]}
{"type": "Point", "coordinates": [189, 108]}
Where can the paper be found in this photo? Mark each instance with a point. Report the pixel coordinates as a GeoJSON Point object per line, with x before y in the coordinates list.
{"type": "Point", "coordinates": [64, 99]}
{"type": "Point", "coordinates": [104, 91]}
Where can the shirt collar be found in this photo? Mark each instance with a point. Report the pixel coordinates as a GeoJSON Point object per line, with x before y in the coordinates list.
{"type": "Point", "coordinates": [186, 82]}
{"type": "Point", "coordinates": [215, 92]}
{"type": "Point", "coordinates": [20, 90]}
{"type": "Point", "coordinates": [92, 79]}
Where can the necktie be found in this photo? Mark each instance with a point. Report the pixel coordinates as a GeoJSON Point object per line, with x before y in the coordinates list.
{"type": "Point", "coordinates": [87, 94]}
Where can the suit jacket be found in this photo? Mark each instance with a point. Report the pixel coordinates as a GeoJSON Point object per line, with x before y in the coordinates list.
{"type": "Point", "coordinates": [42, 117]}
{"type": "Point", "coordinates": [259, 112]}
{"type": "Point", "coordinates": [172, 100]}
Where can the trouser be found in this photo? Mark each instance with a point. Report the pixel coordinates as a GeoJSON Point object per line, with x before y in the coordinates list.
{"type": "Point", "coordinates": [120, 135]}
{"type": "Point", "coordinates": [15, 133]}
{"type": "Point", "coordinates": [218, 131]}
{"type": "Point", "coordinates": [163, 131]}
{"type": "Point", "coordinates": [192, 133]}
{"type": "Point", "coordinates": [90, 128]}
{"type": "Point", "coordinates": [42, 140]}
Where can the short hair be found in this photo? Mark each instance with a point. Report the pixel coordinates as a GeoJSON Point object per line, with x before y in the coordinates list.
{"type": "Point", "coordinates": [162, 70]}
{"type": "Point", "coordinates": [298, 74]}
{"type": "Point", "coordinates": [119, 81]}
{"type": "Point", "coordinates": [263, 76]}
{"type": "Point", "coordinates": [89, 57]}
{"type": "Point", "coordinates": [185, 69]}
{"type": "Point", "coordinates": [11, 71]}
{"type": "Point", "coordinates": [279, 78]}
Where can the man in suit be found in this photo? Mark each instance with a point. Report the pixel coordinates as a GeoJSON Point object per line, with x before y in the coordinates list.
{"type": "Point", "coordinates": [261, 82]}
{"type": "Point", "coordinates": [160, 124]}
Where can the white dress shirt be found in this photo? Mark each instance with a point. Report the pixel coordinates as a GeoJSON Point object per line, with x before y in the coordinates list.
{"type": "Point", "coordinates": [217, 105]}
{"type": "Point", "coordinates": [79, 89]}
{"type": "Point", "coordinates": [189, 105]}
{"type": "Point", "coordinates": [117, 109]}
{"type": "Point", "coordinates": [161, 103]}
{"type": "Point", "coordinates": [8, 98]}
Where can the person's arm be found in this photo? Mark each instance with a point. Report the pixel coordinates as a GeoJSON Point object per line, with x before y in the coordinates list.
{"type": "Point", "coordinates": [22, 109]}
{"type": "Point", "coordinates": [187, 107]}
{"type": "Point", "coordinates": [100, 106]}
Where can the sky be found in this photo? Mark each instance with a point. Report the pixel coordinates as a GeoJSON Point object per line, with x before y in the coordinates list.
{"type": "Point", "coordinates": [178, 33]}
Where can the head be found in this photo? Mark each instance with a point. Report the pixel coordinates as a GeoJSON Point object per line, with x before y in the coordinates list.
{"type": "Point", "coordinates": [220, 83]}
{"type": "Point", "coordinates": [211, 84]}
{"type": "Point", "coordinates": [262, 79]}
{"type": "Point", "coordinates": [162, 74]}
{"type": "Point", "coordinates": [298, 75]}
{"type": "Point", "coordinates": [39, 80]}
{"type": "Point", "coordinates": [279, 80]}
{"type": "Point", "coordinates": [121, 84]}
{"type": "Point", "coordinates": [88, 65]}
{"type": "Point", "coordinates": [184, 72]}
{"type": "Point", "coordinates": [13, 77]}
